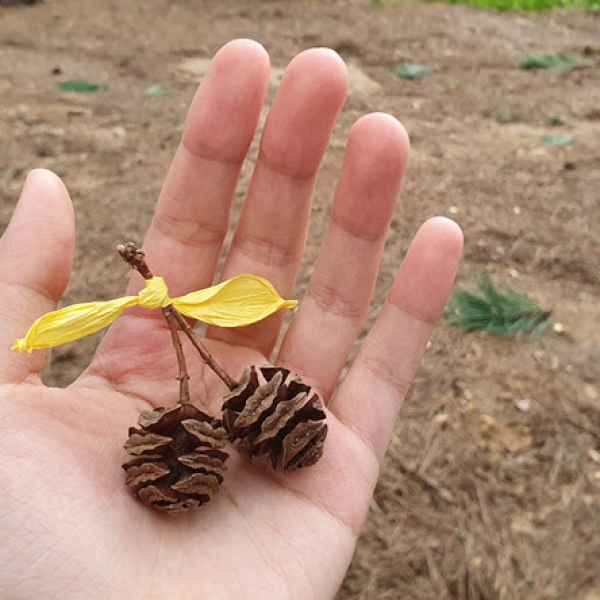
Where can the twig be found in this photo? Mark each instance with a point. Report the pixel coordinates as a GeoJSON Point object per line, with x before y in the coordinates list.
{"type": "Point", "coordinates": [428, 483]}
{"type": "Point", "coordinates": [184, 378]}
{"type": "Point", "coordinates": [136, 258]}
{"type": "Point", "coordinates": [204, 353]}
{"type": "Point", "coordinates": [593, 431]}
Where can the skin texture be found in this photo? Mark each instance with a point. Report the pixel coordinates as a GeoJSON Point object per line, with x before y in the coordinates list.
{"type": "Point", "coordinates": [69, 526]}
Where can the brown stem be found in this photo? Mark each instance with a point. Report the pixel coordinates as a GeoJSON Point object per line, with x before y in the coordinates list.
{"type": "Point", "coordinates": [204, 353]}
{"type": "Point", "coordinates": [136, 258]}
{"type": "Point", "coordinates": [184, 378]}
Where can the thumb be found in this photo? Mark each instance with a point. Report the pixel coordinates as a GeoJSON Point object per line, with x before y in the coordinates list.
{"type": "Point", "coordinates": [36, 256]}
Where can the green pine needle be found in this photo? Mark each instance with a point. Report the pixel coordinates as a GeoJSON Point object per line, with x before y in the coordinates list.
{"type": "Point", "coordinates": [497, 311]}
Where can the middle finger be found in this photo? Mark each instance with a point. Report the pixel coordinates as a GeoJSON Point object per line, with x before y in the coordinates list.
{"type": "Point", "coordinates": [271, 233]}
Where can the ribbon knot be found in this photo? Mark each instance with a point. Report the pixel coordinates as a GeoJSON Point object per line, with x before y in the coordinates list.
{"type": "Point", "coordinates": [155, 294]}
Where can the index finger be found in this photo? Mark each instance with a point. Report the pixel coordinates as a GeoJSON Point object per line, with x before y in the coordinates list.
{"type": "Point", "coordinates": [185, 238]}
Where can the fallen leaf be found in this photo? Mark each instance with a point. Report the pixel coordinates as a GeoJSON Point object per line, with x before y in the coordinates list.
{"type": "Point", "coordinates": [559, 63]}
{"type": "Point", "coordinates": [79, 86]}
{"type": "Point", "coordinates": [558, 141]}
{"type": "Point", "coordinates": [412, 71]}
{"type": "Point", "coordinates": [157, 90]}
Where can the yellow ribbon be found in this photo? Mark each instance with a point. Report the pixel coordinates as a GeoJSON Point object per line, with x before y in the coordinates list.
{"type": "Point", "coordinates": [236, 302]}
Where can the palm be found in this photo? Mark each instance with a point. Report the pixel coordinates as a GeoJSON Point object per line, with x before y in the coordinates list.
{"type": "Point", "coordinates": [285, 527]}
{"type": "Point", "coordinates": [70, 528]}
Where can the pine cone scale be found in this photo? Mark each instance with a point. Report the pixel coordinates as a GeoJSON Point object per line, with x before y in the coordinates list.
{"type": "Point", "coordinates": [205, 433]}
{"type": "Point", "coordinates": [154, 496]}
{"type": "Point", "coordinates": [259, 403]}
{"type": "Point", "coordinates": [308, 458]}
{"type": "Point", "coordinates": [198, 484]}
{"type": "Point", "coordinates": [164, 417]}
{"type": "Point", "coordinates": [198, 460]}
{"type": "Point", "coordinates": [144, 444]}
{"type": "Point", "coordinates": [284, 412]}
{"type": "Point", "coordinates": [304, 446]}
{"type": "Point", "coordinates": [138, 475]}
{"type": "Point", "coordinates": [182, 507]}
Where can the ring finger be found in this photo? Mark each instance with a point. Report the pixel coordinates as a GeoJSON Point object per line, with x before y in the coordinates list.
{"type": "Point", "coordinates": [330, 316]}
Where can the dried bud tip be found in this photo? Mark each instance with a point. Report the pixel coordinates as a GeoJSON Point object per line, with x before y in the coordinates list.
{"type": "Point", "coordinates": [131, 254]}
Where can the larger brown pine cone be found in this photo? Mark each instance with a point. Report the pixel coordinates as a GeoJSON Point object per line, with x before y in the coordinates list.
{"type": "Point", "coordinates": [179, 461]}
{"type": "Point", "coordinates": [275, 419]}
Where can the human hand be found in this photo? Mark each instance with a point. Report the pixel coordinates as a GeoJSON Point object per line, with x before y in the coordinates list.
{"type": "Point", "coordinates": [69, 526]}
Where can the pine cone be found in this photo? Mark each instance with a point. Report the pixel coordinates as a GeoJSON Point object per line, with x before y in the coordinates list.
{"type": "Point", "coordinates": [275, 419]}
{"type": "Point", "coordinates": [179, 461]}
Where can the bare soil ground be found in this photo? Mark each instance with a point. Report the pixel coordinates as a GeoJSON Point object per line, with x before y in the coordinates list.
{"type": "Point", "coordinates": [476, 499]}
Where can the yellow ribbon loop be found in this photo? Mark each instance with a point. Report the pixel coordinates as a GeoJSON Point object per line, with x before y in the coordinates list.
{"type": "Point", "coordinates": [72, 323]}
{"type": "Point", "coordinates": [237, 302]}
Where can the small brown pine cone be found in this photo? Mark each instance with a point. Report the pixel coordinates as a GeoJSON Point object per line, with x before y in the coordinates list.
{"type": "Point", "coordinates": [275, 419]}
{"type": "Point", "coordinates": [179, 460]}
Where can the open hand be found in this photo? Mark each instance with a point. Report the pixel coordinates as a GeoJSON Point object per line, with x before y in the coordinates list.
{"type": "Point", "coordinates": [69, 527]}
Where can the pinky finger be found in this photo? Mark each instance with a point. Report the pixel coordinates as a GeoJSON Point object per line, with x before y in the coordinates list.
{"type": "Point", "coordinates": [371, 395]}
